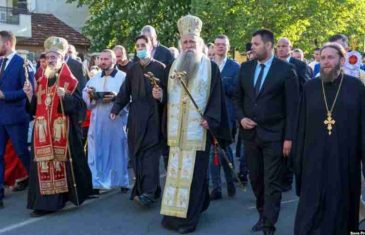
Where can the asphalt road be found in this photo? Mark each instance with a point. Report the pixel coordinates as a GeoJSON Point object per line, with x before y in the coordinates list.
{"type": "Point", "coordinates": [114, 213]}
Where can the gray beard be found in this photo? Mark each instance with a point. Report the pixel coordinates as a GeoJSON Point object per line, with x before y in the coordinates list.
{"type": "Point", "coordinates": [331, 75]}
{"type": "Point", "coordinates": [50, 72]}
{"type": "Point", "coordinates": [188, 62]}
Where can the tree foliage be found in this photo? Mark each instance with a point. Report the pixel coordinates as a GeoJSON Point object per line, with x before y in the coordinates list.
{"type": "Point", "coordinates": [307, 23]}
{"type": "Point", "coordinates": [114, 22]}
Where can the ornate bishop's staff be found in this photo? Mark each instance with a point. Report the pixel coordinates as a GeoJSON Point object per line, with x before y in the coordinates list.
{"type": "Point", "coordinates": [25, 65]}
{"type": "Point", "coordinates": [68, 147]}
{"type": "Point", "coordinates": [180, 76]}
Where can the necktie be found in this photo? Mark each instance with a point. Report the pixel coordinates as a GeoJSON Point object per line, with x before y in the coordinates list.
{"type": "Point", "coordinates": [3, 66]}
{"type": "Point", "coordinates": [259, 80]}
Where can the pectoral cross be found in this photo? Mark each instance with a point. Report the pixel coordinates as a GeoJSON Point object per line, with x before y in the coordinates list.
{"type": "Point", "coordinates": [39, 94]}
{"type": "Point", "coordinates": [329, 122]}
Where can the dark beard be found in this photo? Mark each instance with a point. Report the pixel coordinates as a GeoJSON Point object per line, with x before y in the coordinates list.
{"type": "Point", "coordinates": [331, 75]}
{"type": "Point", "coordinates": [189, 63]}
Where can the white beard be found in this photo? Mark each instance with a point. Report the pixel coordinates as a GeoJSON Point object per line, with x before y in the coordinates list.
{"type": "Point", "coordinates": [189, 62]}
{"type": "Point", "coordinates": [51, 71]}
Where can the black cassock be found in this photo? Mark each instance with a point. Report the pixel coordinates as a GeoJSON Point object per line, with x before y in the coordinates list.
{"type": "Point", "coordinates": [144, 126]}
{"type": "Point", "coordinates": [328, 167]}
{"type": "Point", "coordinates": [217, 118]}
{"type": "Point", "coordinates": [72, 104]}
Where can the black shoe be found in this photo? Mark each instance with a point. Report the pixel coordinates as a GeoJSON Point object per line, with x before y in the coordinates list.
{"type": "Point", "coordinates": [243, 178]}
{"type": "Point", "coordinates": [21, 186]}
{"type": "Point", "coordinates": [124, 190]}
{"type": "Point", "coordinates": [231, 189]}
{"type": "Point", "coordinates": [215, 195]}
{"type": "Point", "coordinates": [39, 213]}
{"type": "Point", "coordinates": [269, 231]}
{"type": "Point", "coordinates": [259, 226]}
{"type": "Point", "coordinates": [143, 201]}
{"type": "Point", "coordinates": [1, 204]}
{"type": "Point", "coordinates": [95, 192]}
{"type": "Point", "coordinates": [186, 230]}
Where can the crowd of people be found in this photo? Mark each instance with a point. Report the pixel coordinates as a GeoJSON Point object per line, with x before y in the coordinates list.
{"type": "Point", "coordinates": [70, 130]}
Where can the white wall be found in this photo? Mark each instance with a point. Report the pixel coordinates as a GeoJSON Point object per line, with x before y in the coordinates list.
{"type": "Point", "coordinates": [23, 29]}
{"type": "Point", "coordinates": [6, 3]}
{"type": "Point", "coordinates": [68, 13]}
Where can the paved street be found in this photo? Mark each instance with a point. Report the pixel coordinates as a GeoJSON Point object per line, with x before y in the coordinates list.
{"type": "Point", "coordinates": [113, 213]}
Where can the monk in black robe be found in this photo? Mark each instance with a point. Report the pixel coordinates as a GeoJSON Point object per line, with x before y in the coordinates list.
{"type": "Point", "coordinates": [186, 197]}
{"type": "Point", "coordinates": [144, 122]}
{"type": "Point", "coordinates": [329, 149]}
{"type": "Point", "coordinates": [64, 182]}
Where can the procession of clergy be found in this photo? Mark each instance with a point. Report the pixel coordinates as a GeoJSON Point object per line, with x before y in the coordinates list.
{"type": "Point", "coordinates": [185, 109]}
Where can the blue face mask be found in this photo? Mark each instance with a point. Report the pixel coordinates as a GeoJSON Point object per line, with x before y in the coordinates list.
{"type": "Point", "coordinates": [143, 54]}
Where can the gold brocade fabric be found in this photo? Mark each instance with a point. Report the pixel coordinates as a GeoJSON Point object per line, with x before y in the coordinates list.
{"type": "Point", "coordinates": [185, 137]}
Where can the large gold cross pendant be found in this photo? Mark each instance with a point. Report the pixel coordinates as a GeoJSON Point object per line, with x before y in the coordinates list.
{"type": "Point", "coordinates": [329, 122]}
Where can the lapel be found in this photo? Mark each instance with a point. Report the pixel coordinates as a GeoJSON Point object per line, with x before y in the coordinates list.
{"type": "Point", "coordinates": [11, 64]}
{"type": "Point", "coordinates": [157, 53]}
{"type": "Point", "coordinates": [269, 78]}
{"type": "Point", "coordinates": [226, 67]}
{"type": "Point", "coordinates": [251, 78]}
{"type": "Point", "coordinates": [8, 68]}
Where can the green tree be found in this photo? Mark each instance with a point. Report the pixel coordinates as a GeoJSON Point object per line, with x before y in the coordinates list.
{"type": "Point", "coordinates": [307, 23]}
{"type": "Point", "coordinates": [114, 22]}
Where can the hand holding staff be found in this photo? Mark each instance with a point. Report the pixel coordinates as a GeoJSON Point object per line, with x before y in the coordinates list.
{"type": "Point", "coordinates": [180, 76]}
{"type": "Point", "coordinates": [156, 90]}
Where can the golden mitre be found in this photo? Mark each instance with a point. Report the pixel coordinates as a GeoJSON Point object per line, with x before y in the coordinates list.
{"type": "Point", "coordinates": [189, 25]}
{"type": "Point", "coordinates": [56, 44]}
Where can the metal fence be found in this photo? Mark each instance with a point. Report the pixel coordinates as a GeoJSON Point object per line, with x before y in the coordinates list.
{"type": "Point", "coordinates": [10, 15]}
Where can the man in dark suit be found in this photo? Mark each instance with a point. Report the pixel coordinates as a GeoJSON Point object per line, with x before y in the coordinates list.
{"type": "Point", "coordinates": [283, 49]}
{"type": "Point", "coordinates": [159, 51]}
{"type": "Point", "coordinates": [304, 73]}
{"type": "Point", "coordinates": [265, 104]}
{"type": "Point", "coordinates": [14, 120]}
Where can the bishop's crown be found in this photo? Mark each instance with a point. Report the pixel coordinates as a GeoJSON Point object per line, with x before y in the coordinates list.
{"type": "Point", "coordinates": [189, 25]}
{"type": "Point", "coordinates": [56, 44]}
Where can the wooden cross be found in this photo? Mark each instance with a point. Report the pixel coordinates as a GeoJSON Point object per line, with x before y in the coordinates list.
{"type": "Point", "coordinates": [329, 122]}
{"type": "Point", "coordinates": [39, 94]}
{"type": "Point", "coordinates": [151, 77]}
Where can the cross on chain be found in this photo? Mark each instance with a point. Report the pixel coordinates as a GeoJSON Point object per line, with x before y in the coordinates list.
{"type": "Point", "coordinates": [329, 122]}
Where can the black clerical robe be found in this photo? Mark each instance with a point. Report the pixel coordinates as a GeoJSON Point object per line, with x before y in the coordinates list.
{"type": "Point", "coordinates": [328, 167]}
{"type": "Point", "coordinates": [217, 118]}
{"type": "Point", "coordinates": [72, 103]}
{"type": "Point", "coordinates": [144, 125]}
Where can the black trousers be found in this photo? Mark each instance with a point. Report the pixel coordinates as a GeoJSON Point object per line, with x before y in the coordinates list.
{"type": "Point", "coordinates": [265, 163]}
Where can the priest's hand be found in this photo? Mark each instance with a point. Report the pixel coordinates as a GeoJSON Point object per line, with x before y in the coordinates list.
{"type": "Point", "coordinates": [157, 93]}
{"type": "Point", "coordinates": [287, 148]}
{"type": "Point", "coordinates": [248, 124]}
{"type": "Point", "coordinates": [1, 95]}
{"type": "Point", "coordinates": [61, 92]}
{"type": "Point", "coordinates": [109, 98]}
{"type": "Point", "coordinates": [204, 124]}
{"type": "Point", "coordinates": [90, 92]}
{"type": "Point", "coordinates": [27, 88]}
{"type": "Point", "coordinates": [113, 116]}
